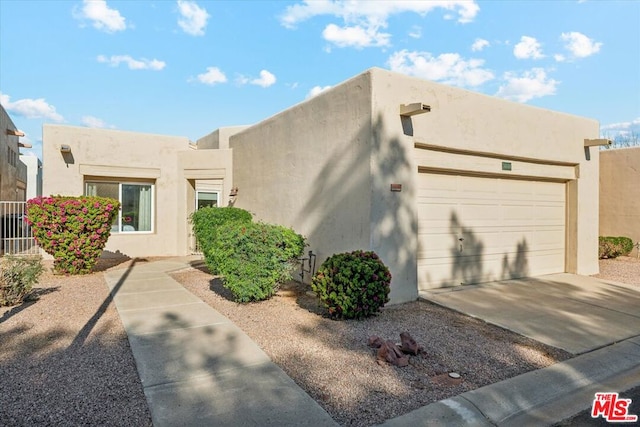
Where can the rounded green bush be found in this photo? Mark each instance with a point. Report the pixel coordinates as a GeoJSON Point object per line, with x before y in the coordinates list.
{"type": "Point", "coordinates": [352, 285]}
{"type": "Point", "coordinates": [254, 258]}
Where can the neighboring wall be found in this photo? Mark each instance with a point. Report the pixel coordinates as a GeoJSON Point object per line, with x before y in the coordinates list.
{"type": "Point", "coordinates": [620, 193]}
{"type": "Point", "coordinates": [34, 176]}
{"type": "Point", "coordinates": [219, 138]}
{"type": "Point", "coordinates": [128, 156]}
{"type": "Point", "coordinates": [13, 173]}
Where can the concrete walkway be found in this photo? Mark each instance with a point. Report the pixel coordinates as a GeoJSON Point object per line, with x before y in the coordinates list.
{"type": "Point", "coordinates": [196, 367]}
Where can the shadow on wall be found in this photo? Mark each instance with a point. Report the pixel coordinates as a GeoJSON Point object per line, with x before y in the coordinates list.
{"type": "Point", "coordinates": [469, 258]}
{"type": "Point", "coordinates": [338, 214]}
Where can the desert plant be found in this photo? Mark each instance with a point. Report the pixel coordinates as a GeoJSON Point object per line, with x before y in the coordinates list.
{"type": "Point", "coordinates": [207, 221]}
{"type": "Point", "coordinates": [613, 247]}
{"type": "Point", "coordinates": [72, 229]}
{"type": "Point", "coordinates": [17, 277]}
{"type": "Point", "coordinates": [254, 258]}
{"type": "Point", "coordinates": [352, 285]}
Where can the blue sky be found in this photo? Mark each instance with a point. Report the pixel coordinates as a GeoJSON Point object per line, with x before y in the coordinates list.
{"type": "Point", "coordinates": [189, 67]}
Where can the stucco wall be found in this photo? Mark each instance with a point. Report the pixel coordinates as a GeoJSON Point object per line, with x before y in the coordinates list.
{"type": "Point", "coordinates": [308, 168]}
{"type": "Point", "coordinates": [219, 138]}
{"type": "Point", "coordinates": [470, 121]}
{"type": "Point", "coordinates": [13, 177]}
{"type": "Point", "coordinates": [129, 156]}
{"type": "Point", "coordinates": [34, 176]}
{"type": "Point", "coordinates": [620, 193]}
{"type": "Point", "coordinates": [325, 166]}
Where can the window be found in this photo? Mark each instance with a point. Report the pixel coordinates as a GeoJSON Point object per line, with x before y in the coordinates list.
{"type": "Point", "coordinates": [136, 210]}
{"type": "Point", "coordinates": [206, 199]}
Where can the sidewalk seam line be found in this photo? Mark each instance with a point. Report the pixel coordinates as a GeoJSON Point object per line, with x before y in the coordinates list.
{"type": "Point", "coordinates": [179, 329]}
{"type": "Point", "coordinates": [158, 307]}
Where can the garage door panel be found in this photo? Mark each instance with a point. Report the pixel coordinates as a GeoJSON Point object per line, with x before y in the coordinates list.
{"type": "Point", "coordinates": [510, 228]}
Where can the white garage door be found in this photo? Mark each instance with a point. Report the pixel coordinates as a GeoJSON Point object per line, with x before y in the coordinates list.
{"type": "Point", "coordinates": [477, 229]}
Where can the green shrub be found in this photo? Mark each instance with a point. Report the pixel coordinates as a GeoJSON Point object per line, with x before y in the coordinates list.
{"type": "Point", "coordinates": [72, 229]}
{"type": "Point", "coordinates": [613, 247]}
{"type": "Point", "coordinates": [352, 285]}
{"type": "Point", "coordinates": [254, 258]}
{"type": "Point", "coordinates": [207, 221]}
{"type": "Point", "coordinates": [17, 277]}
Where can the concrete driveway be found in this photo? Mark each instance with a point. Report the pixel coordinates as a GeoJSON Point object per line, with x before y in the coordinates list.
{"type": "Point", "coordinates": [571, 312]}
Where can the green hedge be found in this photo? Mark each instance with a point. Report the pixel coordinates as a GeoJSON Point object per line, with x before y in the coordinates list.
{"type": "Point", "coordinates": [207, 221]}
{"type": "Point", "coordinates": [612, 247]}
{"type": "Point", "coordinates": [253, 258]}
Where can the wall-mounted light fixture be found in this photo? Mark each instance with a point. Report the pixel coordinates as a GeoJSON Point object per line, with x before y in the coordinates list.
{"type": "Point", "coordinates": [234, 192]}
{"type": "Point", "coordinates": [408, 110]}
{"type": "Point", "coordinates": [65, 148]}
{"type": "Point", "coordinates": [597, 142]}
{"type": "Point", "coordinates": [15, 132]}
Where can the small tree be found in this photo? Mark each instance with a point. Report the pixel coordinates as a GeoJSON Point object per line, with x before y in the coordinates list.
{"type": "Point", "coordinates": [74, 230]}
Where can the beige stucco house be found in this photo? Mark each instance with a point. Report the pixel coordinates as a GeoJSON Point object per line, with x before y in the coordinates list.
{"type": "Point", "coordinates": [158, 179]}
{"type": "Point", "coordinates": [448, 186]}
{"type": "Point", "coordinates": [620, 193]}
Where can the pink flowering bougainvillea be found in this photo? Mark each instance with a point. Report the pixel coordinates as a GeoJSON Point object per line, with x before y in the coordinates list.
{"type": "Point", "coordinates": [73, 230]}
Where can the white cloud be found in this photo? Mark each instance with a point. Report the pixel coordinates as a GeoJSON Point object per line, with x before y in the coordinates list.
{"type": "Point", "coordinates": [355, 36]}
{"type": "Point", "coordinates": [93, 122]}
{"type": "Point", "coordinates": [193, 18]}
{"type": "Point", "coordinates": [528, 48]}
{"type": "Point", "coordinates": [622, 128]}
{"type": "Point", "coordinates": [316, 90]}
{"type": "Point", "coordinates": [363, 19]}
{"type": "Point", "coordinates": [559, 57]}
{"type": "Point", "coordinates": [212, 76]}
{"type": "Point", "coordinates": [31, 108]}
{"type": "Point", "coordinates": [447, 68]}
{"type": "Point", "coordinates": [531, 84]}
{"type": "Point", "coordinates": [133, 64]}
{"type": "Point", "coordinates": [479, 44]}
{"type": "Point", "coordinates": [415, 32]}
{"type": "Point", "coordinates": [580, 45]}
{"type": "Point", "coordinates": [102, 16]}
{"type": "Point", "coordinates": [266, 79]}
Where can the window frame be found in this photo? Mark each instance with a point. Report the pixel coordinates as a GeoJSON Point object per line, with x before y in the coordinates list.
{"type": "Point", "coordinates": [120, 183]}
{"type": "Point", "coordinates": [216, 192]}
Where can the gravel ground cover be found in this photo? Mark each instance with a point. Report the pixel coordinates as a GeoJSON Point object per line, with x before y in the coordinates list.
{"type": "Point", "coordinates": [65, 359]}
{"type": "Point", "coordinates": [624, 269]}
